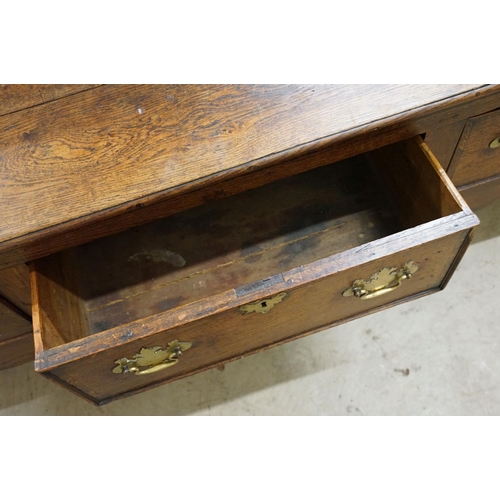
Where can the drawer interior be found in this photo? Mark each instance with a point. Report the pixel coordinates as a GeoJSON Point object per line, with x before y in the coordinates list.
{"type": "Point", "coordinates": [228, 243]}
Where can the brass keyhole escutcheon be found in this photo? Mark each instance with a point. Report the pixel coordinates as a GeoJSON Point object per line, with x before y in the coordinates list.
{"type": "Point", "coordinates": [495, 143]}
{"type": "Point", "coordinates": [263, 306]}
{"type": "Point", "coordinates": [152, 359]}
{"type": "Point", "coordinates": [384, 281]}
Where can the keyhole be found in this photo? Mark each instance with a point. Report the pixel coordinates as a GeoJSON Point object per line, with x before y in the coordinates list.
{"type": "Point", "coordinates": [263, 304]}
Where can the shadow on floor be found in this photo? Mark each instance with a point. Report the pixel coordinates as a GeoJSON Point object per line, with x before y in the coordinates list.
{"type": "Point", "coordinates": [23, 392]}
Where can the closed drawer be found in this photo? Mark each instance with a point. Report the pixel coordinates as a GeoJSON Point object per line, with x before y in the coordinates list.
{"type": "Point", "coordinates": [481, 194]}
{"type": "Point", "coordinates": [236, 275]}
{"type": "Point", "coordinates": [16, 337]}
{"type": "Point", "coordinates": [16, 332]}
{"type": "Point", "coordinates": [477, 155]}
{"type": "Point", "coordinates": [15, 287]}
{"type": "Point", "coordinates": [13, 322]}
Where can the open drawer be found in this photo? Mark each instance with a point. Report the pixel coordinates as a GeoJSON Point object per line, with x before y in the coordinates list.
{"type": "Point", "coordinates": [233, 276]}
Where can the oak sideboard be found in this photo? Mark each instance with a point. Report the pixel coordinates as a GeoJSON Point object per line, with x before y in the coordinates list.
{"type": "Point", "coordinates": [150, 232]}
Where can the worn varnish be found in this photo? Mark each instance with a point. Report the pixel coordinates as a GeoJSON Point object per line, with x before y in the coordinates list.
{"type": "Point", "coordinates": [185, 277]}
{"type": "Point", "coordinates": [110, 158]}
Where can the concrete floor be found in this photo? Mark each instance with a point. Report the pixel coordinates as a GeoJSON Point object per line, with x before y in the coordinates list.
{"type": "Point", "coordinates": [439, 355]}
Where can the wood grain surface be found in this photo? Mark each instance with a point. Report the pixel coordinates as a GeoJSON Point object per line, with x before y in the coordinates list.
{"type": "Point", "coordinates": [17, 97]}
{"type": "Point", "coordinates": [71, 164]}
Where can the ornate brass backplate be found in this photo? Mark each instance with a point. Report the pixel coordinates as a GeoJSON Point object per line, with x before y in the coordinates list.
{"type": "Point", "coordinates": [384, 281]}
{"type": "Point", "coordinates": [263, 306]}
{"type": "Point", "coordinates": [152, 359]}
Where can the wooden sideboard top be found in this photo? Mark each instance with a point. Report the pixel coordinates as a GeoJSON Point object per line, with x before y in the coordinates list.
{"type": "Point", "coordinates": [92, 153]}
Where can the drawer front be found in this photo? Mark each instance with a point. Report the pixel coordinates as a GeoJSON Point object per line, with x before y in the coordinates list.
{"type": "Point", "coordinates": [308, 306]}
{"type": "Point", "coordinates": [477, 156]}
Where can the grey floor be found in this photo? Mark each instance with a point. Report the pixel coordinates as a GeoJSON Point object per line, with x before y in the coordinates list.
{"type": "Point", "coordinates": [439, 355]}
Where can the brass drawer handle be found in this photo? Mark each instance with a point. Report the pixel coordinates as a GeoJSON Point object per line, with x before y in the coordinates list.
{"type": "Point", "coordinates": [152, 359]}
{"type": "Point", "coordinates": [495, 143]}
{"type": "Point", "coordinates": [384, 281]}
